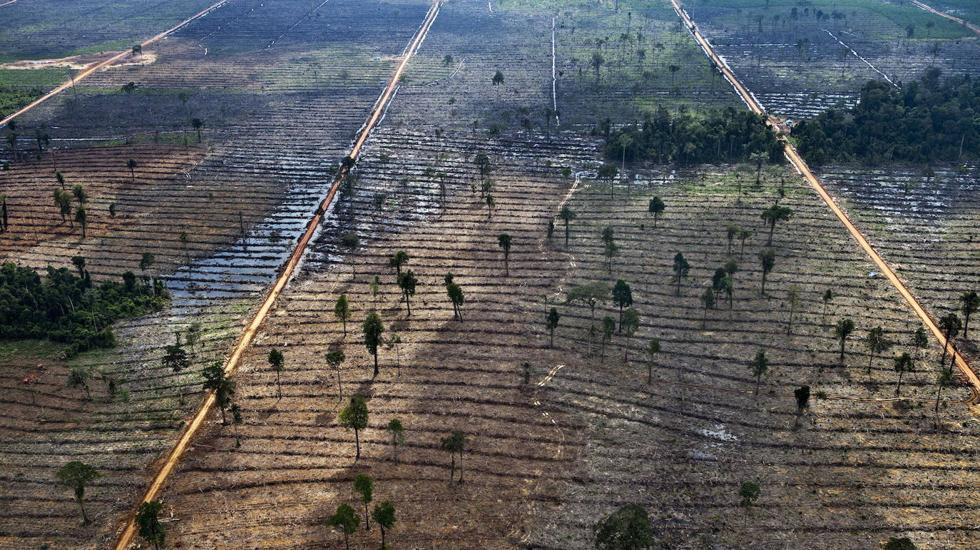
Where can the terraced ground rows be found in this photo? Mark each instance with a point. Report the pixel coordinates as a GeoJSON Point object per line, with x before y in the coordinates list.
{"type": "Point", "coordinates": [242, 195]}
{"type": "Point", "coordinates": [799, 66]}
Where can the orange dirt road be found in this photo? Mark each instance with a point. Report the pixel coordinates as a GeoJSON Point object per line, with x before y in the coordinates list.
{"type": "Point", "coordinates": [286, 272]}
{"type": "Point", "coordinates": [97, 66]}
{"type": "Point", "coordinates": [797, 161]}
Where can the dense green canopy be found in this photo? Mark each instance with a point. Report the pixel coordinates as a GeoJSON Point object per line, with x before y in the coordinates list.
{"type": "Point", "coordinates": [726, 135]}
{"type": "Point", "coordinates": [65, 307]}
{"type": "Point", "coordinates": [924, 121]}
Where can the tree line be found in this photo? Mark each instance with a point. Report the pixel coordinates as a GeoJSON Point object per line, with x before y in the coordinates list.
{"type": "Point", "coordinates": [932, 119]}
{"type": "Point", "coordinates": [721, 135]}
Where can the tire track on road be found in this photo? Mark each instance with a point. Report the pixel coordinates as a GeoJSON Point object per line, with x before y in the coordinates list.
{"type": "Point", "coordinates": [285, 274]}
{"type": "Point", "coordinates": [801, 166]}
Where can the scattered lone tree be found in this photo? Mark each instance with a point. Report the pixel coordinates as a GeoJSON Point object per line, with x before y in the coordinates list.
{"type": "Point", "coordinates": [903, 364]}
{"type": "Point", "coordinates": [950, 325]}
{"type": "Point", "coordinates": [681, 269]}
{"type": "Point", "coordinates": [970, 302]}
{"type": "Point", "coordinates": [455, 293]}
{"type": "Point", "coordinates": [78, 378]}
{"type": "Point", "coordinates": [341, 310]}
{"type": "Point", "coordinates": [877, 344]}
{"type": "Point", "coordinates": [793, 297]}
{"type": "Point", "coordinates": [82, 218]}
{"type": "Point", "coordinates": [567, 215]}
{"type": "Point", "coordinates": [335, 358]}
{"type": "Point", "coordinates": [708, 299]}
{"type": "Point", "coordinates": [623, 297]}
{"type": "Point", "coordinates": [277, 361]}
{"type": "Point", "coordinates": [384, 516]}
{"type": "Point", "coordinates": [774, 214]}
{"type": "Point", "coordinates": [625, 529]}
{"type": "Point", "coordinates": [759, 366]}
{"type": "Point", "coordinates": [842, 331]}
{"type": "Point", "coordinates": [373, 329]}
{"type": "Point", "coordinates": [131, 164]}
{"type": "Point", "coordinates": [76, 476]}
{"type": "Point", "coordinates": [749, 491]}
{"type": "Point", "coordinates": [454, 444]}
{"type": "Point", "coordinates": [919, 340]}
{"type": "Point", "coordinates": [197, 124]}
{"type": "Point", "coordinates": [767, 257]}
{"type": "Point", "coordinates": [498, 78]}
{"type": "Point", "coordinates": [397, 260]}
{"type": "Point", "coordinates": [608, 327]}
{"type": "Point", "coordinates": [552, 323]}
{"type": "Point", "coordinates": [629, 324]}
{"type": "Point", "coordinates": [944, 380]}
{"type": "Point", "coordinates": [656, 208]}
{"type": "Point", "coordinates": [355, 417]}
{"type": "Point", "coordinates": [407, 282]}
{"type": "Point", "coordinates": [504, 241]}
{"type": "Point", "coordinates": [148, 523]}
{"type": "Point", "coordinates": [345, 519]}
{"type": "Point", "coordinates": [802, 395]}
{"type": "Point", "coordinates": [223, 388]}
{"type": "Point", "coordinates": [903, 543]}
{"type": "Point", "coordinates": [364, 486]}
{"type": "Point", "coordinates": [652, 350]}
{"type": "Point", "coordinates": [397, 432]}
{"type": "Point", "coordinates": [591, 294]}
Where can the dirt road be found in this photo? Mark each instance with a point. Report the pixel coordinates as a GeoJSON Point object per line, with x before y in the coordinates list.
{"type": "Point", "coordinates": [930, 9]}
{"type": "Point", "coordinates": [99, 65]}
{"type": "Point", "coordinates": [797, 161]}
{"type": "Point", "coordinates": [245, 340]}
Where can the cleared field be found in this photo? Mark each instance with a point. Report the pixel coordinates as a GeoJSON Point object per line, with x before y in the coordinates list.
{"type": "Point", "coordinates": [241, 193]}
{"type": "Point", "coordinates": [800, 60]}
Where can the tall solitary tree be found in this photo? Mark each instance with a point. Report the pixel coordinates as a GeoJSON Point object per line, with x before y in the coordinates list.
{"type": "Point", "coordinates": [397, 431]}
{"type": "Point", "coordinates": [773, 215]}
{"type": "Point", "coordinates": [653, 348]}
{"type": "Point", "coordinates": [842, 331]}
{"type": "Point", "coordinates": [76, 476]}
{"type": "Point", "coordinates": [708, 300]}
{"type": "Point", "coordinates": [629, 324]}
{"type": "Point", "coordinates": [81, 216]}
{"type": "Point", "coordinates": [759, 366]}
{"type": "Point", "coordinates": [407, 282]}
{"type": "Point", "coordinates": [223, 387]}
{"type": "Point", "coordinates": [355, 417]}
{"type": "Point", "coordinates": [950, 325]}
{"type": "Point", "coordinates": [567, 215]}
{"type": "Point", "coordinates": [656, 208]}
{"type": "Point", "coordinates": [384, 516]}
{"type": "Point", "coordinates": [552, 323]}
{"type": "Point", "coordinates": [373, 329]}
{"type": "Point", "coordinates": [767, 257]}
{"type": "Point", "coordinates": [131, 164]}
{"type": "Point", "coordinates": [608, 327]}
{"type": "Point", "coordinates": [623, 298]}
{"type": "Point", "coordinates": [877, 344]}
{"type": "Point", "coordinates": [345, 519]}
{"type": "Point", "coordinates": [148, 523]}
{"type": "Point", "coordinates": [454, 444]}
{"type": "Point", "coordinates": [341, 310]}
{"type": "Point", "coordinates": [969, 303]}
{"type": "Point", "coordinates": [903, 364]}
{"type": "Point", "coordinates": [364, 486]}
{"type": "Point", "coordinates": [277, 361]}
{"type": "Point", "coordinates": [681, 269]}
{"type": "Point", "coordinates": [397, 260]}
{"type": "Point", "coordinates": [335, 358]}
{"type": "Point", "coordinates": [504, 241]}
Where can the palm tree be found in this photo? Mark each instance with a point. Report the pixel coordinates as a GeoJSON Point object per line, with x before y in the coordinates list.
{"type": "Point", "coordinates": [970, 303]}
{"type": "Point", "coordinates": [453, 444]}
{"type": "Point", "coordinates": [877, 343]}
{"type": "Point", "coordinates": [681, 269]}
{"type": "Point", "coordinates": [742, 236]}
{"type": "Point", "coordinates": [76, 476]}
{"type": "Point", "coordinates": [373, 329]}
{"type": "Point", "coordinates": [903, 364]}
{"type": "Point", "coordinates": [407, 282]}
{"type": "Point", "coordinates": [504, 241]}
{"type": "Point", "coordinates": [767, 257]}
{"type": "Point", "coordinates": [623, 297]}
{"type": "Point", "coordinates": [277, 361]}
{"type": "Point", "coordinates": [567, 215]}
{"type": "Point", "coordinates": [774, 214]}
{"type": "Point", "coordinates": [624, 141]}
{"type": "Point", "coordinates": [842, 331]}
{"type": "Point", "coordinates": [950, 326]}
